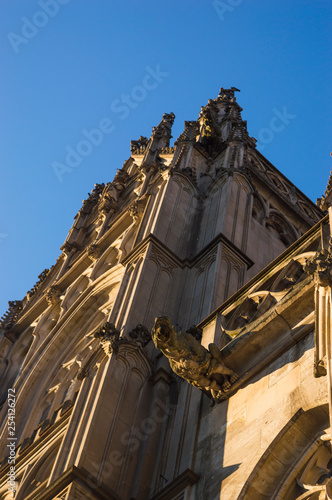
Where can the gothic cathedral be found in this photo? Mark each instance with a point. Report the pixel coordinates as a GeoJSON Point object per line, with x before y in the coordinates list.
{"type": "Point", "coordinates": [180, 346]}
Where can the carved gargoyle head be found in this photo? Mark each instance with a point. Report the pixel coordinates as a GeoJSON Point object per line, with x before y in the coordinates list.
{"type": "Point", "coordinates": [162, 330]}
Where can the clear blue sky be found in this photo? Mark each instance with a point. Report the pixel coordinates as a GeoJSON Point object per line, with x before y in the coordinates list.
{"type": "Point", "coordinates": [69, 64]}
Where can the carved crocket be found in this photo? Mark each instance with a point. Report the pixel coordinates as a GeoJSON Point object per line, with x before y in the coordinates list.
{"type": "Point", "coordinates": [190, 360]}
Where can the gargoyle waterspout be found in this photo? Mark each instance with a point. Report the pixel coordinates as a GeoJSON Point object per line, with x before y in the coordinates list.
{"type": "Point", "coordinates": [202, 368]}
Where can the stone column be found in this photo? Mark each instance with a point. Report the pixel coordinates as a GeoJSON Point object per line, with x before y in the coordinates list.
{"type": "Point", "coordinates": [320, 267]}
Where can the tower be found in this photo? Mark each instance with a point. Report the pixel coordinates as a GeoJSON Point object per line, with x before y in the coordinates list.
{"type": "Point", "coordinates": [99, 412]}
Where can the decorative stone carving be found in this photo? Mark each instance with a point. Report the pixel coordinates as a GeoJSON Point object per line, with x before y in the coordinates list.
{"type": "Point", "coordinates": [141, 335]}
{"type": "Point", "coordinates": [136, 211]}
{"type": "Point", "coordinates": [262, 298]}
{"type": "Point", "coordinates": [220, 126]}
{"type": "Point", "coordinates": [43, 275]}
{"type": "Point", "coordinates": [208, 125]}
{"type": "Point", "coordinates": [92, 199]}
{"type": "Point", "coordinates": [162, 133]}
{"type": "Point", "coordinates": [147, 169]}
{"type": "Point", "coordinates": [52, 295]}
{"type": "Point", "coordinates": [159, 142]}
{"type": "Point", "coordinates": [320, 267]}
{"type": "Point", "coordinates": [285, 188]}
{"type": "Point", "coordinates": [68, 247]}
{"type": "Point", "coordinates": [322, 203]}
{"type": "Point", "coordinates": [228, 93]}
{"type": "Point", "coordinates": [167, 150]}
{"type": "Point", "coordinates": [120, 179]}
{"type": "Point", "coordinates": [109, 337]}
{"type": "Point", "coordinates": [15, 308]}
{"type": "Point", "coordinates": [325, 202]}
{"type": "Point", "coordinates": [316, 478]}
{"type": "Point", "coordinates": [111, 192]}
{"type": "Point", "coordinates": [202, 368]}
{"type": "Point", "coordinates": [94, 251]}
{"type": "Point", "coordinates": [108, 200]}
{"type": "Point", "coordinates": [139, 146]}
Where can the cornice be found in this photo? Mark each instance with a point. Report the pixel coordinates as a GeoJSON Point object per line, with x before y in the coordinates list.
{"type": "Point", "coordinates": [220, 238]}
{"type": "Point", "coordinates": [187, 262]}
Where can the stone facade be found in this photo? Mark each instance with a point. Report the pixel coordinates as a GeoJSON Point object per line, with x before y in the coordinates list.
{"type": "Point", "coordinates": [187, 234]}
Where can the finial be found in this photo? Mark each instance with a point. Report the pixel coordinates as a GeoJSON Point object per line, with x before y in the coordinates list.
{"type": "Point", "coordinates": [229, 93]}
{"type": "Point", "coordinates": [325, 202]}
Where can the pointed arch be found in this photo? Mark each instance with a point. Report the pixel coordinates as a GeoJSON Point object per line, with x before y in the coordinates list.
{"type": "Point", "coordinates": [279, 473]}
{"type": "Point", "coordinates": [259, 208]}
{"type": "Point", "coordinates": [281, 227]}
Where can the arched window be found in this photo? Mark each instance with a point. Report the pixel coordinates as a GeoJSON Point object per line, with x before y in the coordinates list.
{"type": "Point", "coordinates": [280, 228]}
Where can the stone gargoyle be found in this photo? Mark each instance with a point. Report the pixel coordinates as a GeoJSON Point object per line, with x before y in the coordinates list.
{"type": "Point", "coordinates": [202, 368]}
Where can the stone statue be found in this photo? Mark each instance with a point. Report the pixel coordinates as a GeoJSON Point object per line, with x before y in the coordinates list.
{"type": "Point", "coordinates": [228, 93]}
{"type": "Point", "coordinates": [190, 360]}
{"type": "Point", "coordinates": [206, 122]}
{"type": "Point", "coordinates": [209, 129]}
{"type": "Point", "coordinates": [141, 143]}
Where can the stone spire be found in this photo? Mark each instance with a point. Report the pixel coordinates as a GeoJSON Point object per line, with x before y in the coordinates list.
{"type": "Point", "coordinates": [159, 140]}
{"type": "Point", "coordinates": [220, 121]}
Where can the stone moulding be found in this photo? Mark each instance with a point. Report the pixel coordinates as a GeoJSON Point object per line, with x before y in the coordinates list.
{"type": "Point", "coordinates": [188, 262]}
{"type": "Point", "coordinates": [320, 269]}
{"type": "Point", "coordinates": [187, 478]}
{"type": "Point", "coordinates": [70, 476]}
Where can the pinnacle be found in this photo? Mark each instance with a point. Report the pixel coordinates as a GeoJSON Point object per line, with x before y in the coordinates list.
{"type": "Point", "coordinates": [326, 200]}
{"type": "Point", "coordinates": [228, 93]}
